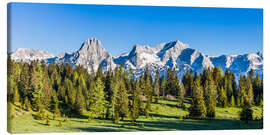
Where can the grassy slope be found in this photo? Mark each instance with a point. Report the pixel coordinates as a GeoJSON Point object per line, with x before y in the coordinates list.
{"type": "Point", "coordinates": [165, 116]}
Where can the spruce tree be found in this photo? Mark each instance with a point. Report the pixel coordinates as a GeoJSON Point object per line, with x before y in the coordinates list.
{"type": "Point", "coordinates": [56, 112]}
{"type": "Point", "coordinates": [97, 100]}
{"type": "Point", "coordinates": [16, 97]}
{"type": "Point", "coordinates": [148, 89]}
{"type": "Point", "coordinates": [79, 105]}
{"type": "Point", "coordinates": [197, 108]}
{"type": "Point", "coordinates": [249, 91]}
{"type": "Point", "coordinates": [114, 93]}
{"type": "Point", "coordinates": [256, 88]}
{"type": "Point", "coordinates": [210, 97]}
{"type": "Point", "coordinates": [27, 104]}
{"type": "Point", "coordinates": [232, 102]}
{"type": "Point", "coordinates": [241, 91]}
{"type": "Point", "coordinates": [135, 105]}
{"type": "Point", "coordinates": [246, 113]}
{"type": "Point", "coordinates": [163, 87]}
{"type": "Point", "coordinates": [157, 86]}
{"type": "Point", "coordinates": [181, 94]}
{"type": "Point", "coordinates": [123, 101]}
{"type": "Point", "coordinates": [222, 98]}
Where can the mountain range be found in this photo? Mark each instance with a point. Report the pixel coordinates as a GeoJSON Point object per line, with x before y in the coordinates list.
{"type": "Point", "coordinates": [174, 54]}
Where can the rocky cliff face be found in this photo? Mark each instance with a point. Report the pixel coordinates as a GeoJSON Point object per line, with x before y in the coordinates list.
{"type": "Point", "coordinates": [28, 55]}
{"type": "Point", "coordinates": [173, 54]}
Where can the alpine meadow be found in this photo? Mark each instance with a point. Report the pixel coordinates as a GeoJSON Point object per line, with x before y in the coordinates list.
{"type": "Point", "coordinates": [170, 86]}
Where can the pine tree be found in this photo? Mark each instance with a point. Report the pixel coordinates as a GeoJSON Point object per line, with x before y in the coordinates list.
{"type": "Point", "coordinates": [114, 94]}
{"type": "Point", "coordinates": [232, 103]}
{"type": "Point", "coordinates": [171, 82]}
{"type": "Point", "coordinates": [156, 86]}
{"type": "Point", "coordinates": [210, 97]}
{"type": "Point", "coordinates": [246, 113]}
{"type": "Point", "coordinates": [16, 97]}
{"type": "Point", "coordinates": [181, 94]}
{"type": "Point", "coordinates": [27, 104]}
{"type": "Point", "coordinates": [197, 108]}
{"type": "Point", "coordinates": [23, 84]}
{"type": "Point", "coordinates": [57, 112]}
{"type": "Point", "coordinates": [79, 105]}
{"type": "Point", "coordinates": [249, 91]}
{"type": "Point", "coordinates": [222, 98]}
{"type": "Point", "coordinates": [217, 76]}
{"type": "Point", "coordinates": [97, 100]}
{"type": "Point", "coordinates": [241, 91]}
{"type": "Point", "coordinates": [256, 89]}
{"type": "Point", "coordinates": [135, 106]}
{"type": "Point", "coordinates": [148, 89]}
{"type": "Point", "coordinates": [123, 101]}
{"type": "Point", "coordinates": [163, 87]}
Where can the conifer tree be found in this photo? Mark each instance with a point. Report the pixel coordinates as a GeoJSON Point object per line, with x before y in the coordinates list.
{"type": "Point", "coordinates": [163, 86]}
{"type": "Point", "coordinates": [97, 100]}
{"type": "Point", "coordinates": [16, 97]}
{"type": "Point", "coordinates": [148, 90]}
{"type": "Point", "coordinates": [210, 97]}
{"type": "Point", "coordinates": [190, 82]}
{"type": "Point", "coordinates": [157, 86]}
{"type": "Point", "coordinates": [181, 94]}
{"type": "Point", "coordinates": [11, 88]}
{"type": "Point", "coordinates": [114, 93]}
{"type": "Point", "coordinates": [246, 113]}
{"type": "Point", "coordinates": [135, 106]}
{"type": "Point", "coordinates": [197, 108]}
{"type": "Point", "coordinates": [27, 104]}
{"type": "Point", "coordinates": [232, 102]}
{"type": "Point", "coordinates": [217, 76]}
{"type": "Point", "coordinates": [56, 112]}
{"type": "Point", "coordinates": [222, 98]}
{"type": "Point", "coordinates": [241, 91]}
{"type": "Point", "coordinates": [172, 82]}
{"type": "Point", "coordinates": [79, 105]}
{"type": "Point", "coordinates": [256, 88]}
{"type": "Point", "coordinates": [23, 84]}
{"type": "Point", "coordinates": [123, 101]}
{"type": "Point", "coordinates": [249, 91]}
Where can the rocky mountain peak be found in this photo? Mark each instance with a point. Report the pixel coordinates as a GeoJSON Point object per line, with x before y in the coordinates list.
{"type": "Point", "coordinates": [27, 55]}
{"type": "Point", "coordinates": [172, 49]}
{"type": "Point", "coordinates": [92, 44]}
{"type": "Point", "coordinates": [176, 44]}
{"type": "Point", "coordinates": [175, 54]}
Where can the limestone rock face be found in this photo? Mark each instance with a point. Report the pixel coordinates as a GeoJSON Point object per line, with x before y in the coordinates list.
{"type": "Point", "coordinates": [174, 54]}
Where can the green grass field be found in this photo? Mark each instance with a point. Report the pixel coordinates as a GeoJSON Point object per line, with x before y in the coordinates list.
{"type": "Point", "coordinates": [163, 117]}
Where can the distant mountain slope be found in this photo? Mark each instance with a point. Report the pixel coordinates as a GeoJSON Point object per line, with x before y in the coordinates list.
{"type": "Point", "coordinates": [27, 55]}
{"type": "Point", "coordinates": [173, 54]}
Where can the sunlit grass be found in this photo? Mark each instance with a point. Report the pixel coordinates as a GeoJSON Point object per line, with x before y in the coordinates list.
{"type": "Point", "coordinates": [164, 116]}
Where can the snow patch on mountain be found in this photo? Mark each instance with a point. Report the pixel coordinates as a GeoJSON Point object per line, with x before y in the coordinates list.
{"type": "Point", "coordinates": [28, 55]}
{"type": "Point", "coordinates": [174, 54]}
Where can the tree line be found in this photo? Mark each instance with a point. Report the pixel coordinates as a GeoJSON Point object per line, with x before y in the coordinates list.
{"type": "Point", "coordinates": [116, 94]}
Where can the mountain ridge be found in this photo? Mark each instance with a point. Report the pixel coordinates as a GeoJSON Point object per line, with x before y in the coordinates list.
{"type": "Point", "coordinates": [174, 54]}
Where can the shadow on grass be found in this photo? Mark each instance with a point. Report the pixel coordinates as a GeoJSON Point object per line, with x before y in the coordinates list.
{"type": "Point", "coordinates": [170, 125]}
{"type": "Point", "coordinates": [163, 116]}
{"type": "Point", "coordinates": [95, 129]}
{"type": "Point", "coordinates": [214, 124]}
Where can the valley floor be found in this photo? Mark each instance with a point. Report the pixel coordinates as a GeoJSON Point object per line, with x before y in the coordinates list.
{"type": "Point", "coordinates": [163, 117]}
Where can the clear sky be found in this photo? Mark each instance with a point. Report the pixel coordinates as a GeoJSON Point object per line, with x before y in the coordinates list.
{"type": "Point", "coordinates": [60, 28]}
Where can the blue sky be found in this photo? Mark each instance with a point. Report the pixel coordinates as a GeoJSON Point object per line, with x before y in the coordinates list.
{"type": "Point", "coordinates": [60, 28]}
